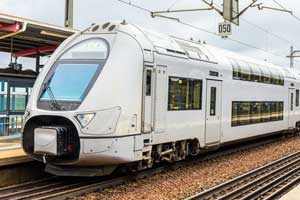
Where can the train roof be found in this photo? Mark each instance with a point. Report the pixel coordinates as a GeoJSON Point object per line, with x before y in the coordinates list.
{"type": "Point", "coordinates": [188, 49]}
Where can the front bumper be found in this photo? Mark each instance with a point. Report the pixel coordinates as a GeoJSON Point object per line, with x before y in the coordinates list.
{"type": "Point", "coordinates": [110, 151]}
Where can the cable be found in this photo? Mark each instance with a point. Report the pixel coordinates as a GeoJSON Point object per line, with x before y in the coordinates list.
{"type": "Point", "coordinates": [281, 6]}
{"type": "Point", "coordinates": [268, 32]}
{"type": "Point", "coordinates": [234, 40]}
{"type": "Point", "coordinates": [134, 5]}
{"type": "Point", "coordinates": [173, 4]}
{"type": "Point", "coordinates": [265, 30]}
{"type": "Point", "coordinates": [205, 30]}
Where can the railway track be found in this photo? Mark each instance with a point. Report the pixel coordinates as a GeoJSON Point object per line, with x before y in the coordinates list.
{"type": "Point", "coordinates": [268, 182]}
{"type": "Point", "coordinates": [63, 188]}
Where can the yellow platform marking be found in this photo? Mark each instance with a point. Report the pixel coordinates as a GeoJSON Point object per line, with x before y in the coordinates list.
{"type": "Point", "coordinates": [12, 153]}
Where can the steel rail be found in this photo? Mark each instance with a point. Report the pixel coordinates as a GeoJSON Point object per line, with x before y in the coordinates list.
{"type": "Point", "coordinates": [265, 182]}
{"type": "Point", "coordinates": [270, 172]}
{"type": "Point", "coordinates": [63, 189]}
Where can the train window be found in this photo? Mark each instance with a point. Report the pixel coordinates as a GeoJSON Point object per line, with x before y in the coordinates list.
{"type": "Point", "coordinates": [236, 73]}
{"type": "Point", "coordinates": [256, 73]}
{"type": "Point", "coordinates": [74, 89]}
{"type": "Point", "coordinates": [266, 78]}
{"type": "Point", "coordinates": [196, 94]}
{"type": "Point", "coordinates": [148, 82]}
{"type": "Point", "coordinates": [245, 71]}
{"type": "Point", "coordinates": [273, 111]}
{"type": "Point", "coordinates": [213, 96]}
{"type": "Point", "coordinates": [265, 112]}
{"type": "Point", "coordinates": [274, 77]}
{"type": "Point", "coordinates": [255, 112]}
{"type": "Point", "coordinates": [297, 98]}
{"type": "Point", "coordinates": [235, 116]}
{"type": "Point", "coordinates": [94, 48]}
{"type": "Point", "coordinates": [184, 94]}
{"type": "Point", "coordinates": [281, 111]}
{"type": "Point", "coordinates": [245, 113]}
{"type": "Point", "coordinates": [281, 78]}
{"type": "Point", "coordinates": [292, 101]}
{"type": "Point", "coordinates": [252, 72]}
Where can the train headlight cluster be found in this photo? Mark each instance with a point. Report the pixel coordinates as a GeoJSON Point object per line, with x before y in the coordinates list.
{"type": "Point", "coordinates": [85, 119]}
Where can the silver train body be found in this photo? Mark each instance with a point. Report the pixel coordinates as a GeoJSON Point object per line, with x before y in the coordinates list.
{"type": "Point", "coordinates": [116, 94]}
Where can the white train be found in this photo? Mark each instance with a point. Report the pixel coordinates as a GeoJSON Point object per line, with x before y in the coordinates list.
{"type": "Point", "coordinates": [116, 95]}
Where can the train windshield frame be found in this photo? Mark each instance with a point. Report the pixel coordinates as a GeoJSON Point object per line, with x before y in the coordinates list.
{"type": "Point", "coordinates": [70, 80]}
{"type": "Point", "coordinates": [74, 73]}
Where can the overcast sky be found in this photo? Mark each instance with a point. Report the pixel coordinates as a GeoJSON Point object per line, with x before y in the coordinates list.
{"type": "Point", "coordinates": [257, 28]}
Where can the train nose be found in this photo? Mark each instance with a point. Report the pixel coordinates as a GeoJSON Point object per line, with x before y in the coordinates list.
{"type": "Point", "coordinates": [53, 139]}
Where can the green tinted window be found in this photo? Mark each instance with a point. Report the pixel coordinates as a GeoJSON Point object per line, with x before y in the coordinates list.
{"type": "Point", "coordinates": [245, 113]}
{"type": "Point", "coordinates": [184, 94]}
{"type": "Point", "coordinates": [246, 71]}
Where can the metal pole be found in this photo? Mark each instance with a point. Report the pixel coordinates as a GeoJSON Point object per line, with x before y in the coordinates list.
{"type": "Point", "coordinates": [37, 63]}
{"type": "Point", "coordinates": [69, 14]}
{"type": "Point", "coordinates": [293, 55]}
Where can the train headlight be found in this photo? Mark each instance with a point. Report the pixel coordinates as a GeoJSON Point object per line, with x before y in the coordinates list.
{"type": "Point", "coordinates": [26, 115]}
{"type": "Point", "coordinates": [85, 119]}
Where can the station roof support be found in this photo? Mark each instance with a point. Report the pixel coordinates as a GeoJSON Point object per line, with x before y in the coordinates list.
{"type": "Point", "coordinates": [30, 38]}
{"type": "Point", "coordinates": [26, 37]}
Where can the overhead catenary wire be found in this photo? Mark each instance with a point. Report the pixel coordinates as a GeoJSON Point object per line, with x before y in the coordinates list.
{"type": "Point", "coordinates": [268, 32]}
{"type": "Point", "coordinates": [173, 4]}
{"type": "Point", "coordinates": [134, 5]}
{"type": "Point", "coordinates": [264, 30]}
{"type": "Point", "coordinates": [281, 6]}
{"type": "Point", "coordinates": [292, 14]}
{"type": "Point", "coordinates": [205, 30]}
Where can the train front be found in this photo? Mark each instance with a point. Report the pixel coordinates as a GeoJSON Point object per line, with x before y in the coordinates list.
{"type": "Point", "coordinates": [80, 119]}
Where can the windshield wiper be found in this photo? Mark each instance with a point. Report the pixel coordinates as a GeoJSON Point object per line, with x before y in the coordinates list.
{"type": "Point", "coordinates": [54, 104]}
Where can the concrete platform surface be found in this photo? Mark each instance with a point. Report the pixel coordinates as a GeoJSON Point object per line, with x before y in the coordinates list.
{"type": "Point", "coordinates": [11, 152]}
{"type": "Point", "coordinates": [294, 194]}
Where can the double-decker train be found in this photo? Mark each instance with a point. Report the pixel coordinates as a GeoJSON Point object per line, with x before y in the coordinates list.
{"type": "Point", "coordinates": [117, 94]}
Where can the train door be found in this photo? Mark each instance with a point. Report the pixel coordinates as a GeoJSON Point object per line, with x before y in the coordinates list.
{"type": "Point", "coordinates": [148, 100]}
{"type": "Point", "coordinates": [161, 92]}
{"type": "Point", "coordinates": [291, 108]}
{"type": "Point", "coordinates": [213, 112]}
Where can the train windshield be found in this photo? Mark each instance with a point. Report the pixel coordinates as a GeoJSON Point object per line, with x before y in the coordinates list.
{"type": "Point", "coordinates": [69, 82]}
{"type": "Point", "coordinates": [75, 71]}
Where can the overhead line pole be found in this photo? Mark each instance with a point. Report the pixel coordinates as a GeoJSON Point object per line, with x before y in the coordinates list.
{"type": "Point", "coordinates": [69, 13]}
{"type": "Point", "coordinates": [292, 56]}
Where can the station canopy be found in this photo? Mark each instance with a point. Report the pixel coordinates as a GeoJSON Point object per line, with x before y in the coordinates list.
{"type": "Point", "coordinates": [28, 38]}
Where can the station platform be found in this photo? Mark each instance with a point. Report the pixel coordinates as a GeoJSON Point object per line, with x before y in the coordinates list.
{"type": "Point", "coordinates": [294, 194]}
{"type": "Point", "coordinates": [15, 166]}
{"type": "Point", "coordinates": [11, 151]}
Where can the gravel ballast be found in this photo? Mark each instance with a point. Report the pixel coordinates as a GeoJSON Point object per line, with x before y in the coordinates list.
{"type": "Point", "coordinates": [184, 182]}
